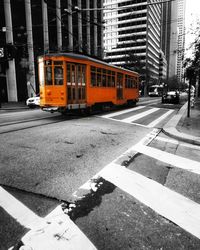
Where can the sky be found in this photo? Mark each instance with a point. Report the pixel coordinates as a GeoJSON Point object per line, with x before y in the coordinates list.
{"type": "Point", "coordinates": [192, 14]}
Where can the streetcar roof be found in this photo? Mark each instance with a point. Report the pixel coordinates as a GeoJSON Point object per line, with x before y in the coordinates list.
{"type": "Point", "coordinates": [84, 57]}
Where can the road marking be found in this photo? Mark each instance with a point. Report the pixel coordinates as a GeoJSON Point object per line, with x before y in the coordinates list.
{"type": "Point", "coordinates": [141, 115]}
{"type": "Point", "coordinates": [173, 206]}
{"type": "Point", "coordinates": [18, 210]}
{"type": "Point", "coordinates": [174, 160]}
{"type": "Point", "coordinates": [132, 123]}
{"type": "Point", "coordinates": [55, 231]}
{"type": "Point", "coordinates": [155, 122]}
{"type": "Point", "coordinates": [150, 101]}
{"type": "Point", "coordinates": [61, 233]}
{"type": "Point", "coordinates": [173, 141]}
{"type": "Point", "coordinates": [122, 112]}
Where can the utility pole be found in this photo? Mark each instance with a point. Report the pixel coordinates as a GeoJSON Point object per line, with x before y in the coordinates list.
{"type": "Point", "coordinates": [45, 26]}
{"type": "Point", "coordinates": [10, 72]}
{"type": "Point", "coordinates": [79, 27]}
{"type": "Point", "coordinates": [31, 66]}
{"type": "Point", "coordinates": [88, 26]}
{"type": "Point", "coordinates": [70, 28]}
{"type": "Point", "coordinates": [95, 27]}
{"type": "Point", "coordinates": [58, 23]}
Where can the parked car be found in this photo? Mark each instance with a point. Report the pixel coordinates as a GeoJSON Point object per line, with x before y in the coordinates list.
{"type": "Point", "coordinates": [171, 97]}
{"type": "Point", "coordinates": [33, 102]}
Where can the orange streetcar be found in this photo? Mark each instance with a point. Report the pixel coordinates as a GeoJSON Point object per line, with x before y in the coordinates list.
{"type": "Point", "coordinates": [72, 81]}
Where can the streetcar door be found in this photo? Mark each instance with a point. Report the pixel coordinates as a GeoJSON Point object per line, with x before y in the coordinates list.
{"type": "Point", "coordinates": [76, 83]}
{"type": "Point", "coordinates": [119, 86]}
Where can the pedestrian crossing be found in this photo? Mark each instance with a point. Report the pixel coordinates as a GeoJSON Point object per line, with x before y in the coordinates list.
{"type": "Point", "coordinates": [145, 116]}
{"type": "Point", "coordinates": [168, 203]}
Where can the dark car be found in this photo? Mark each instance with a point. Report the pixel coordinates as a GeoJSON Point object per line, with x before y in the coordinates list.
{"type": "Point", "coordinates": [171, 97]}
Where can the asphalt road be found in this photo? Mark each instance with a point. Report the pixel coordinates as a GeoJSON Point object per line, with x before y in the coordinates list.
{"type": "Point", "coordinates": [46, 158]}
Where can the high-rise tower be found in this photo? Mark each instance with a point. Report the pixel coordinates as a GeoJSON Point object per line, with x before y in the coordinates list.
{"type": "Point", "coordinates": [132, 33]}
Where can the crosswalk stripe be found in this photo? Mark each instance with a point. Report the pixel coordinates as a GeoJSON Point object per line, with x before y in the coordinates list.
{"type": "Point", "coordinates": [155, 122]}
{"type": "Point", "coordinates": [174, 160]}
{"type": "Point", "coordinates": [169, 204]}
{"type": "Point", "coordinates": [18, 210]}
{"type": "Point", "coordinates": [55, 231]}
{"type": "Point", "coordinates": [122, 112]}
{"type": "Point", "coordinates": [59, 233]}
{"type": "Point", "coordinates": [138, 116]}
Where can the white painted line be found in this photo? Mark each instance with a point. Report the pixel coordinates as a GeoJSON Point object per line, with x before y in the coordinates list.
{"type": "Point", "coordinates": [127, 155]}
{"type": "Point", "coordinates": [132, 123]}
{"type": "Point", "coordinates": [150, 101]}
{"type": "Point", "coordinates": [162, 117]}
{"type": "Point", "coordinates": [122, 112]}
{"type": "Point", "coordinates": [18, 210]}
{"type": "Point", "coordinates": [173, 206]}
{"type": "Point", "coordinates": [173, 141]}
{"type": "Point", "coordinates": [61, 233]}
{"type": "Point", "coordinates": [174, 160]}
{"type": "Point", "coordinates": [55, 231]}
{"type": "Point", "coordinates": [141, 115]}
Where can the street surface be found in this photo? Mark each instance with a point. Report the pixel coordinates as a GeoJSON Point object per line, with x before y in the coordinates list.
{"type": "Point", "coordinates": [116, 180]}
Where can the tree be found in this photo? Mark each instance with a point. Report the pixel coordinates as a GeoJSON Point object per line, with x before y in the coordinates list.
{"type": "Point", "coordinates": [192, 65]}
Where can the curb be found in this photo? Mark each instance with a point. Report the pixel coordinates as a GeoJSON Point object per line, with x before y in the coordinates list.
{"type": "Point", "coordinates": [170, 128]}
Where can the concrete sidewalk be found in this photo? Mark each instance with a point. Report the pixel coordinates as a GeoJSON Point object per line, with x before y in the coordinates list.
{"type": "Point", "coordinates": [13, 106]}
{"type": "Point", "coordinates": [185, 128]}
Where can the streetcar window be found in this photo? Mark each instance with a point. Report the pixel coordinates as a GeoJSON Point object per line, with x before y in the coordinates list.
{"type": "Point", "coordinates": [48, 75]}
{"type": "Point", "coordinates": [93, 79]}
{"type": "Point", "coordinates": [93, 76]}
{"type": "Point", "coordinates": [130, 82]}
{"type": "Point", "coordinates": [79, 74]}
{"type": "Point", "coordinates": [104, 80]}
{"type": "Point", "coordinates": [99, 80]}
{"type": "Point", "coordinates": [113, 79]}
{"type": "Point", "coordinates": [73, 73]}
{"type": "Point", "coordinates": [83, 74]}
{"type": "Point", "coordinates": [109, 80]}
{"type": "Point", "coordinates": [68, 74]}
{"type": "Point", "coordinates": [58, 75]}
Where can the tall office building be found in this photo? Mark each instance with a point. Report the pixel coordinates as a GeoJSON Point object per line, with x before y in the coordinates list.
{"type": "Point", "coordinates": [181, 39]}
{"type": "Point", "coordinates": [173, 37]}
{"type": "Point", "coordinates": [132, 34]}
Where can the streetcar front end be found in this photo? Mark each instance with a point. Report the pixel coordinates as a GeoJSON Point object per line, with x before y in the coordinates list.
{"type": "Point", "coordinates": [52, 87]}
